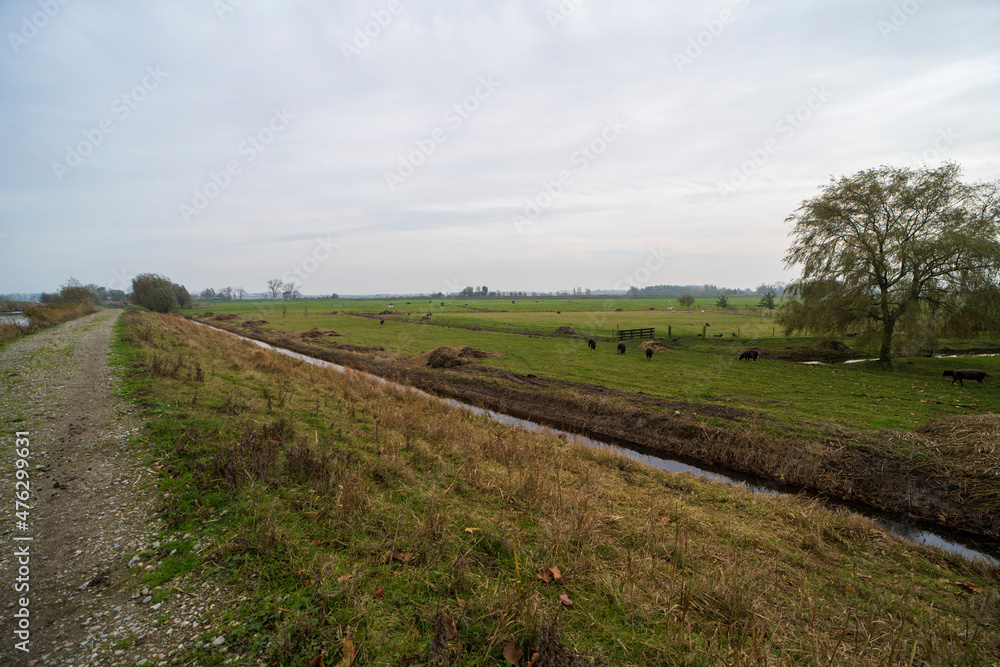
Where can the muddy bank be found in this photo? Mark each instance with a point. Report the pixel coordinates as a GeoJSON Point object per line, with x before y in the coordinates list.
{"type": "Point", "coordinates": [841, 464]}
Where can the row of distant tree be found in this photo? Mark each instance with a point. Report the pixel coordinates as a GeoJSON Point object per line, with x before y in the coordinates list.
{"type": "Point", "coordinates": [75, 292]}
{"type": "Point", "coordinates": [777, 288]}
{"type": "Point", "coordinates": [227, 293]}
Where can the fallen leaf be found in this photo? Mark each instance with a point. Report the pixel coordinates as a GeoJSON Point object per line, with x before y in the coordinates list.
{"type": "Point", "coordinates": [847, 590]}
{"type": "Point", "coordinates": [403, 556]}
{"type": "Point", "coordinates": [535, 657]}
{"type": "Point", "coordinates": [459, 600]}
{"type": "Point", "coordinates": [969, 587]}
{"type": "Point", "coordinates": [472, 531]}
{"type": "Point", "coordinates": [866, 577]}
{"type": "Point", "coordinates": [450, 630]}
{"type": "Point", "coordinates": [348, 650]}
{"type": "Point", "coordinates": [378, 593]}
{"type": "Point", "coordinates": [344, 577]}
{"type": "Point", "coordinates": [556, 574]}
{"type": "Point", "coordinates": [545, 574]}
{"type": "Point", "coordinates": [317, 661]}
{"type": "Point", "coordinates": [512, 654]}
{"type": "Point", "coordinates": [565, 600]}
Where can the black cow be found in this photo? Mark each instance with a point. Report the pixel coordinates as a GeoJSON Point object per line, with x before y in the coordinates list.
{"type": "Point", "coordinates": [966, 374]}
{"type": "Point", "coordinates": [592, 344]}
{"type": "Point", "coordinates": [750, 355]}
{"type": "Point", "coordinates": [621, 348]}
{"type": "Point", "coordinates": [649, 353]}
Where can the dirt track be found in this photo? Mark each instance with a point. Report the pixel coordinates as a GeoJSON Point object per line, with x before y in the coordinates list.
{"type": "Point", "coordinates": [91, 508]}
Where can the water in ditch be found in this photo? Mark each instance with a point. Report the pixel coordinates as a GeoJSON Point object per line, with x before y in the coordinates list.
{"type": "Point", "coordinates": [903, 526]}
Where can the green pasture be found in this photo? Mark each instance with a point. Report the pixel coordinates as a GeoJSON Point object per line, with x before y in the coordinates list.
{"type": "Point", "coordinates": [810, 398]}
{"type": "Point", "coordinates": [419, 307]}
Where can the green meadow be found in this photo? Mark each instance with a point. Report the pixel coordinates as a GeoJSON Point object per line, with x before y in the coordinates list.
{"type": "Point", "coordinates": [806, 398]}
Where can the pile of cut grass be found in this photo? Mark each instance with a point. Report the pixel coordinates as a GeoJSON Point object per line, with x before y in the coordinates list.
{"type": "Point", "coordinates": [357, 520]}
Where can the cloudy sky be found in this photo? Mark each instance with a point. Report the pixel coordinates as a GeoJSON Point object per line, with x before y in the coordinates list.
{"type": "Point", "coordinates": [395, 146]}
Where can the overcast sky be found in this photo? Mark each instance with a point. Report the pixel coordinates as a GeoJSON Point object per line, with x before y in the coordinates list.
{"type": "Point", "coordinates": [396, 146]}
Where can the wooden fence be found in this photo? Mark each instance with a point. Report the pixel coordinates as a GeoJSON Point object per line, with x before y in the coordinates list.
{"type": "Point", "coordinates": [629, 334]}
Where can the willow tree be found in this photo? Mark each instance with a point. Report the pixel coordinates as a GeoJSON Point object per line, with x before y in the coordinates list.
{"type": "Point", "coordinates": [893, 245]}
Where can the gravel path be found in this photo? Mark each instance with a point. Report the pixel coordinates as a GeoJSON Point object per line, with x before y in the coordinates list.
{"type": "Point", "coordinates": [92, 508]}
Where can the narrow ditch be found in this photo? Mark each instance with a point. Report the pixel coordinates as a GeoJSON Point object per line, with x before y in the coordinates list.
{"type": "Point", "coordinates": [896, 523]}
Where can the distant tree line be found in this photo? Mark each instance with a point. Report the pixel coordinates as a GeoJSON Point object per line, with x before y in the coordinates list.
{"type": "Point", "coordinates": [227, 293]}
{"type": "Point", "coordinates": [75, 292]}
{"type": "Point", "coordinates": [704, 290]}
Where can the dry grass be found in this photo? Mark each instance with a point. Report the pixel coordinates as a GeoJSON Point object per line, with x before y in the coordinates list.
{"type": "Point", "coordinates": [439, 516]}
{"type": "Point", "coordinates": [40, 315]}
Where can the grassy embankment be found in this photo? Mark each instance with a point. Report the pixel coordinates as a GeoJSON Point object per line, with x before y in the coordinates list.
{"type": "Point", "coordinates": [355, 519]}
{"type": "Point", "coordinates": [898, 436]}
{"type": "Point", "coordinates": [39, 316]}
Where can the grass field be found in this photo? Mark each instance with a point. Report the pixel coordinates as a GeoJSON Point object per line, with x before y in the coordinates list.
{"type": "Point", "coordinates": [807, 398]}
{"type": "Point", "coordinates": [360, 524]}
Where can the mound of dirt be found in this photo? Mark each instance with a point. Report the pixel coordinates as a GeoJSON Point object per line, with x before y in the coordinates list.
{"type": "Point", "coordinates": [565, 330]}
{"type": "Point", "coordinates": [254, 323]}
{"type": "Point", "coordinates": [831, 344]}
{"type": "Point", "coordinates": [450, 357]}
{"type": "Point", "coordinates": [394, 312]}
{"type": "Point", "coordinates": [339, 312]}
{"type": "Point", "coordinates": [318, 333]}
{"type": "Point", "coordinates": [225, 317]}
{"type": "Point", "coordinates": [655, 345]}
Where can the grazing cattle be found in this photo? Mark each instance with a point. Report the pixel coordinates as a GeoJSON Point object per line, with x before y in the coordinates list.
{"type": "Point", "coordinates": [381, 321]}
{"type": "Point", "coordinates": [621, 348]}
{"type": "Point", "coordinates": [966, 374]}
{"type": "Point", "coordinates": [750, 355]}
{"type": "Point", "coordinates": [592, 344]}
{"type": "Point", "coordinates": [649, 353]}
